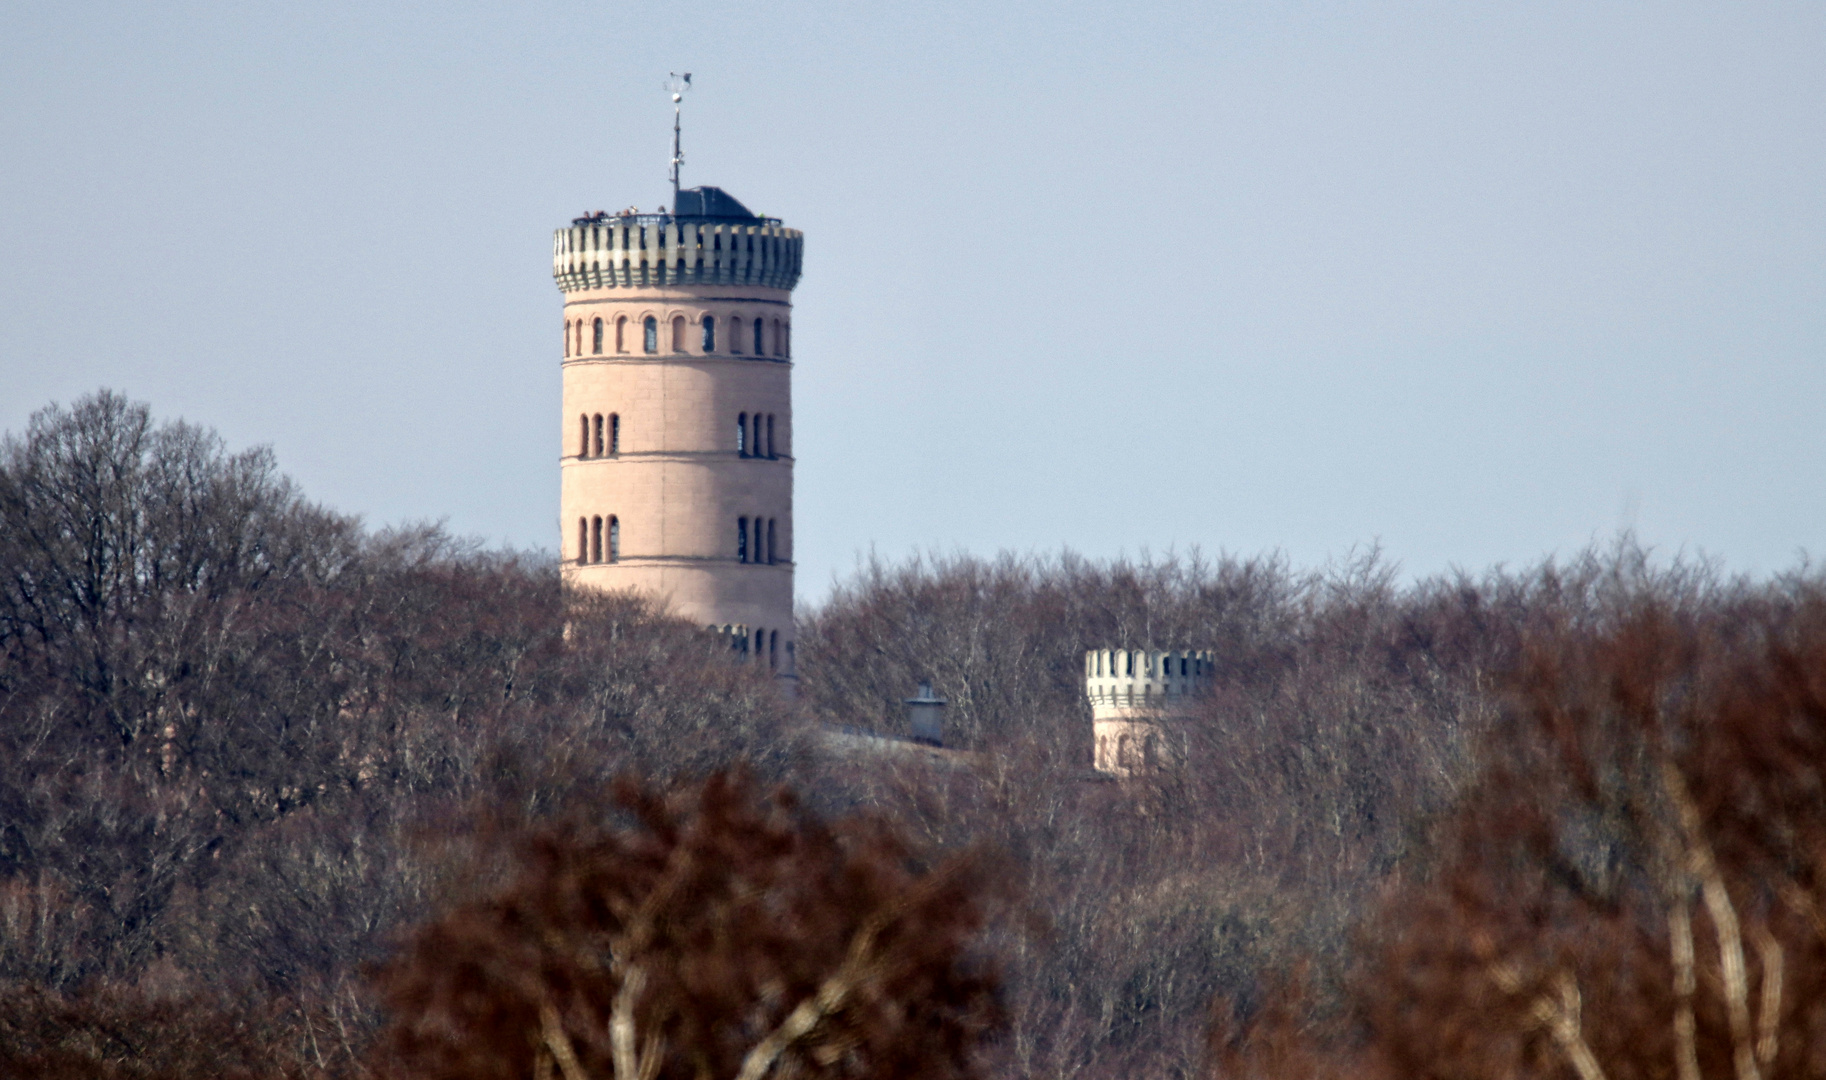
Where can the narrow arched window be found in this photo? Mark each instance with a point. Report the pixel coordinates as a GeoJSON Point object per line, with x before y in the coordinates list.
{"type": "Point", "coordinates": [760, 552]}
{"type": "Point", "coordinates": [596, 337]}
{"type": "Point", "coordinates": [583, 440]}
{"type": "Point", "coordinates": [710, 333]}
{"type": "Point", "coordinates": [741, 434]}
{"type": "Point", "coordinates": [741, 539]}
{"type": "Point", "coordinates": [567, 339]}
{"type": "Point", "coordinates": [678, 333]}
{"type": "Point", "coordinates": [621, 334]}
{"type": "Point", "coordinates": [652, 334]}
{"type": "Point", "coordinates": [776, 341]}
{"type": "Point", "coordinates": [614, 538]}
{"type": "Point", "coordinates": [773, 553]}
{"type": "Point", "coordinates": [759, 638]}
{"type": "Point", "coordinates": [755, 445]}
{"type": "Point", "coordinates": [758, 328]}
{"type": "Point", "coordinates": [583, 540]}
{"type": "Point", "coordinates": [614, 433]}
{"type": "Point", "coordinates": [787, 328]}
{"type": "Point", "coordinates": [598, 435]}
{"type": "Point", "coordinates": [773, 650]}
{"type": "Point", "coordinates": [770, 437]}
{"type": "Point", "coordinates": [735, 335]}
{"type": "Point", "coordinates": [595, 539]}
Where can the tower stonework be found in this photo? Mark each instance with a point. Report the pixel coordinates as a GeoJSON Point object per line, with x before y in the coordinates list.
{"type": "Point", "coordinates": [1136, 696]}
{"type": "Point", "coordinates": [677, 444]}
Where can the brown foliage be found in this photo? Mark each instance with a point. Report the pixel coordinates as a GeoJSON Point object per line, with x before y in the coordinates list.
{"type": "Point", "coordinates": [716, 935]}
{"type": "Point", "coordinates": [1633, 889]}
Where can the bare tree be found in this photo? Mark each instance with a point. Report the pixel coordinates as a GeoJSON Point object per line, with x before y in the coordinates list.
{"type": "Point", "coordinates": [239, 736]}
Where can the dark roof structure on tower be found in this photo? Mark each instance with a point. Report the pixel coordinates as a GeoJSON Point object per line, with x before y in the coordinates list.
{"type": "Point", "coordinates": [713, 203]}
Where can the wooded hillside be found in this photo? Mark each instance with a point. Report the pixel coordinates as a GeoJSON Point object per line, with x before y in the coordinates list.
{"type": "Point", "coordinates": [257, 761]}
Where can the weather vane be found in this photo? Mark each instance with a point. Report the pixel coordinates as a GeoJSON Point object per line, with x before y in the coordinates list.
{"type": "Point", "coordinates": [677, 85]}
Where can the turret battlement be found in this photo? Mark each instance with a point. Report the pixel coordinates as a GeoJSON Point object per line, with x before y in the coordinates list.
{"type": "Point", "coordinates": [633, 250]}
{"type": "Point", "coordinates": [1121, 681]}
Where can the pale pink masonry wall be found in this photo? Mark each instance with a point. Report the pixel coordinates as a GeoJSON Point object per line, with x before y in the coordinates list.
{"type": "Point", "coordinates": [678, 485]}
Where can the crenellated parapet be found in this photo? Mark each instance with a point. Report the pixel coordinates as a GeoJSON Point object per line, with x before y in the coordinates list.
{"type": "Point", "coordinates": [634, 250]}
{"type": "Point", "coordinates": [1119, 681]}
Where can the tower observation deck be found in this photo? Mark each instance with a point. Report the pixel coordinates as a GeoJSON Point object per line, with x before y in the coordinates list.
{"type": "Point", "coordinates": [676, 461]}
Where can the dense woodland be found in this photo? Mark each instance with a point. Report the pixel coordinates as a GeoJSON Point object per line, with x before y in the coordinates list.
{"type": "Point", "coordinates": [282, 795]}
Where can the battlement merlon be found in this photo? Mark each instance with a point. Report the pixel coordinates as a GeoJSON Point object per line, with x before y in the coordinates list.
{"type": "Point", "coordinates": [653, 249]}
{"type": "Point", "coordinates": [1145, 679]}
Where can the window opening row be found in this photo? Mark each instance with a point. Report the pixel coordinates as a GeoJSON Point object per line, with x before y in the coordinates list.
{"type": "Point", "coordinates": [763, 642]}
{"type": "Point", "coordinates": [755, 540]}
{"type": "Point", "coordinates": [742, 331]}
{"type": "Point", "coordinates": [1138, 752]}
{"type": "Point", "coordinates": [598, 539]}
{"type": "Point", "coordinates": [598, 436]}
{"type": "Point", "coordinates": [754, 436]}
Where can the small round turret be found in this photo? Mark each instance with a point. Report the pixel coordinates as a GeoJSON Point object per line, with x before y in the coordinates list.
{"type": "Point", "coordinates": [1134, 694]}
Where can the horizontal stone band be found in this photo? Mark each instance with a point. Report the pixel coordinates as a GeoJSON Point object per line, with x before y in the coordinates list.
{"type": "Point", "coordinates": [677, 455]}
{"type": "Point", "coordinates": [679, 560]}
{"type": "Point", "coordinates": [674, 358]}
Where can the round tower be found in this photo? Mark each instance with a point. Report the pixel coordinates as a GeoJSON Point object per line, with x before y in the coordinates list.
{"type": "Point", "coordinates": [677, 461]}
{"type": "Point", "coordinates": [1135, 695]}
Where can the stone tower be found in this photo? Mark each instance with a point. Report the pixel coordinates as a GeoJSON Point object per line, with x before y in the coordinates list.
{"type": "Point", "coordinates": [677, 459]}
{"type": "Point", "coordinates": [1135, 695]}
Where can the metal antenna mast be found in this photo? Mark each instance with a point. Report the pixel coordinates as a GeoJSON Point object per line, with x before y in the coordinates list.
{"type": "Point", "coordinates": [678, 84]}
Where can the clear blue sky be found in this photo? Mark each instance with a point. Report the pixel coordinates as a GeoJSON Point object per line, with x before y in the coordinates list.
{"type": "Point", "coordinates": [1483, 281]}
